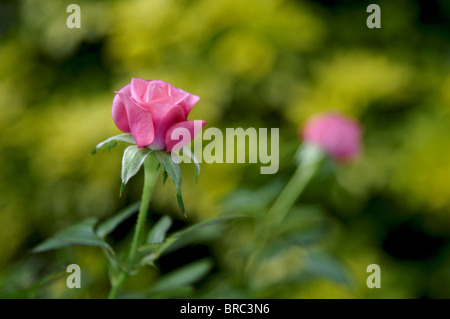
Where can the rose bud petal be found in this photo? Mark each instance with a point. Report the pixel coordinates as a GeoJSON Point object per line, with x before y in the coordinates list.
{"type": "Point", "coordinates": [335, 134]}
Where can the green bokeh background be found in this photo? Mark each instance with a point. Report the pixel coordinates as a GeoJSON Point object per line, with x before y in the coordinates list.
{"type": "Point", "coordinates": [254, 63]}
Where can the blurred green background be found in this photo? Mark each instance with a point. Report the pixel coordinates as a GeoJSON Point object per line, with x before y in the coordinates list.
{"type": "Point", "coordinates": [254, 63]}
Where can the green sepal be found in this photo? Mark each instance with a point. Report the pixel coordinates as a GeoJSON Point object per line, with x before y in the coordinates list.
{"type": "Point", "coordinates": [173, 170]}
{"type": "Point", "coordinates": [122, 188]}
{"type": "Point", "coordinates": [180, 202]}
{"type": "Point", "coordinates": [113, 141]}
{"type": "Point", "coordinates": [132, 160]}
{"type": "Point", "coordinates": [195, 160]}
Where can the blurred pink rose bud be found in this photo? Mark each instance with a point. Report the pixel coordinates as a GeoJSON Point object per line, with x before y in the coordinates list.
{"type": "Point", "coordinates": [335, 134]}
{"type": "Point", "coordinates": [151, 110]}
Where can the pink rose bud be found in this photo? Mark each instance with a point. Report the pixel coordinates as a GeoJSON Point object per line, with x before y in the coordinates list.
{"type": "Point", "coordinates": [151, 110]}
{"type": "Point", "coordinates": [335, 134]}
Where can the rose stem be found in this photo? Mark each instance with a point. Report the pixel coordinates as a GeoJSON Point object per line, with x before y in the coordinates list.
{"type": "Point", "coordinates": [275, 215]}
{"type": "Point", "coordinates": [150, 177]}
{"type": "Point", "coordinates": [303, 174]}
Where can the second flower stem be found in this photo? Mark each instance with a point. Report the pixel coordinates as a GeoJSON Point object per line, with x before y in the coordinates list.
{"type": "Point", "coordinates": [150, 177]}
{"type": "Point", "coordinates": [310, 160]}
{"type": "Point", "coordinates": [305, 171]}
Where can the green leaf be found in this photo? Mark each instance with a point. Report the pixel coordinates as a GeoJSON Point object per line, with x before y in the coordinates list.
{"type": "Point", "coordinates": [150, 247]}
{"type": "Point", "coordinates": [173, 169]}
{"type": "Point", "coordinates": [200, 236]}
{"type": "Point", "coordinates": [108, 226]}
{"type": "Point", "coordinates": [112, 141]}
{"type": "Point", "coordinates": [78, 234]}
{"type": "Point", "coordinates": [178, 292]}
{"type": "Point", "coordinates": [323, 265]}
{"type": "Point", "coordinates": [132, 160]}
{"type": "Point", "coordinates": [25, 278]}
{"type": "Point", "coordinates": [56, 273]}
{"type": "Point", "coordinates": [157, 250]}
{"type": "Point", "coordinates": [252, 201]}
{"type": "Point", "coordinates": [195, 160]}
{"type": "Point", "coordinates": [158, 232]}
{"type": "Point", "coordinates": [305, 237]}
{"type": "Point", "coordinates": [155, 240]}
{"type": "Point", "coordinates": [197, 226]}
{"type": "Point", "coordinates": [184, 276]}
{"type": "Point", "coordinates": [304, 226]}
{"type": "Point", "coordinates": [164, 177]}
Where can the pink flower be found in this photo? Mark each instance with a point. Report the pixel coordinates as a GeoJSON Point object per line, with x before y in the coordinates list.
{"type": "Point", "coordinates": [152, 110]}
{"type": "Point", "coordinates": [335, 134]}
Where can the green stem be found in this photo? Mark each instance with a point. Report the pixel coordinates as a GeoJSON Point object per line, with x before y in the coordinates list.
{"type": "Point", "coordinates": [310, 159]}
{"type": "Point", "coordinates": [303, 174]}
{"type": "Point", "coordinates": [289, 194]}
{"type": "Point", "coordinates": [150, 176]}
